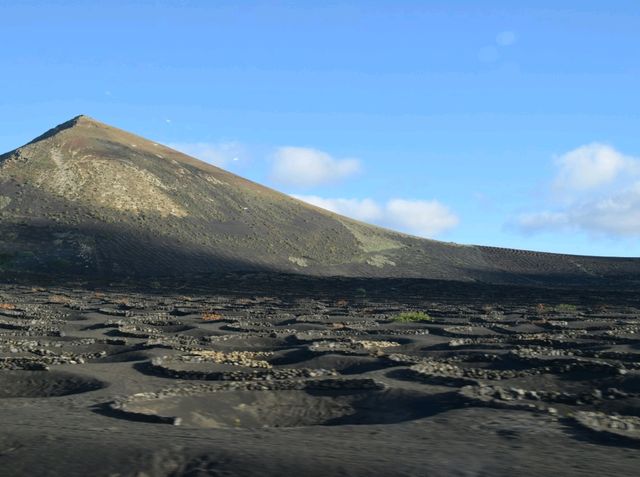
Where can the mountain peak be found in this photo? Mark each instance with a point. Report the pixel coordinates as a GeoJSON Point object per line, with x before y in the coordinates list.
{"type": "Point", "coordinates": [84, 119]}
{"type": "Point", "coordinates": [80, 120]}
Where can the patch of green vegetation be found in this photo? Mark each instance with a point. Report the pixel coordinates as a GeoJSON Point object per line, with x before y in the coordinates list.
{"type": "Point", "coordinates": [566, 308]}
{"type": "Point", "coordinates": [369, 239]}
{"type": "Point", "coordinates": [412, 317]}
{"type": "Point", "coordinates": [4, 201]}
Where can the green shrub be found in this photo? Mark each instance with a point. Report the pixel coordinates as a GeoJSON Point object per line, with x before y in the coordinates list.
{"type": "Point", "coordinates": [412, 317]}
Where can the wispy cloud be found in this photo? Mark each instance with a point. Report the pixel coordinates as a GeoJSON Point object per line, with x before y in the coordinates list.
{"type": "Point", "coordinates": [597, 191]}
{"type": "Point", "coordinates": [426, 218]}
{"type": "Point", "coordinates": [307, 167]}
{"type": "Point", "coordinates": [219, 154]}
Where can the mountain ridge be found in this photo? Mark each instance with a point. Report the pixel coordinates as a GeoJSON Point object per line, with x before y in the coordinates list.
{"type": "Point", "coordinates": [89, 199]}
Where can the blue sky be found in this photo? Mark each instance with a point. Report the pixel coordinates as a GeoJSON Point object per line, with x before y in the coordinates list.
{"type": "Point", "coordinates": [512, 124]}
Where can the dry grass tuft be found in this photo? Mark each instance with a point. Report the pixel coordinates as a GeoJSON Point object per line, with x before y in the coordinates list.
{"type": "Point", "coordinates": [211, 316]}
{"type": "Point", "coordinates": [59, 299]}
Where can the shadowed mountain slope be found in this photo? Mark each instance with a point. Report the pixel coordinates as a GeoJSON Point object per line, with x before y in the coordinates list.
{"type": "Point", "coordinates": [87, 199]}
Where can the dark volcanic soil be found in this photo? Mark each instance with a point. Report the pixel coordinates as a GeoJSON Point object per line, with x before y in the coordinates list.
{"type": "Point", "coordinates": [279, 376]}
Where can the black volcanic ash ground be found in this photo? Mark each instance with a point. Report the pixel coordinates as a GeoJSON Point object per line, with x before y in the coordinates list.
{"type": "Point", "coordinates": [117, 382]}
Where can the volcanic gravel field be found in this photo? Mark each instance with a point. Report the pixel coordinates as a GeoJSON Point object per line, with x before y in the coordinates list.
{"type": "Point", "coordinates": [121, 382]}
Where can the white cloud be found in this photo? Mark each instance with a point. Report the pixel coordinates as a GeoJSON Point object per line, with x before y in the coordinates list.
{"type": "Point", "coordinates": [218, 154]}
{"type": "Point", "coordinates": [426, 218]}
{"type": "Point", "coordinates": [601, 188]}
{"type": "Point", "coordinates": [423, 217]}
{"type": "Point", "coordinates": [506, 38]}
{"type": "Point", "coordinates": [615, 215]}
{"type": "Point", "coordinates": [306, 167]}
{"type": "Point", "coordinates": [591, 166]}
{"type": "Point", "coordinates": [366, 210]}
{"type": "Point", "coordinates": [537, 221]}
